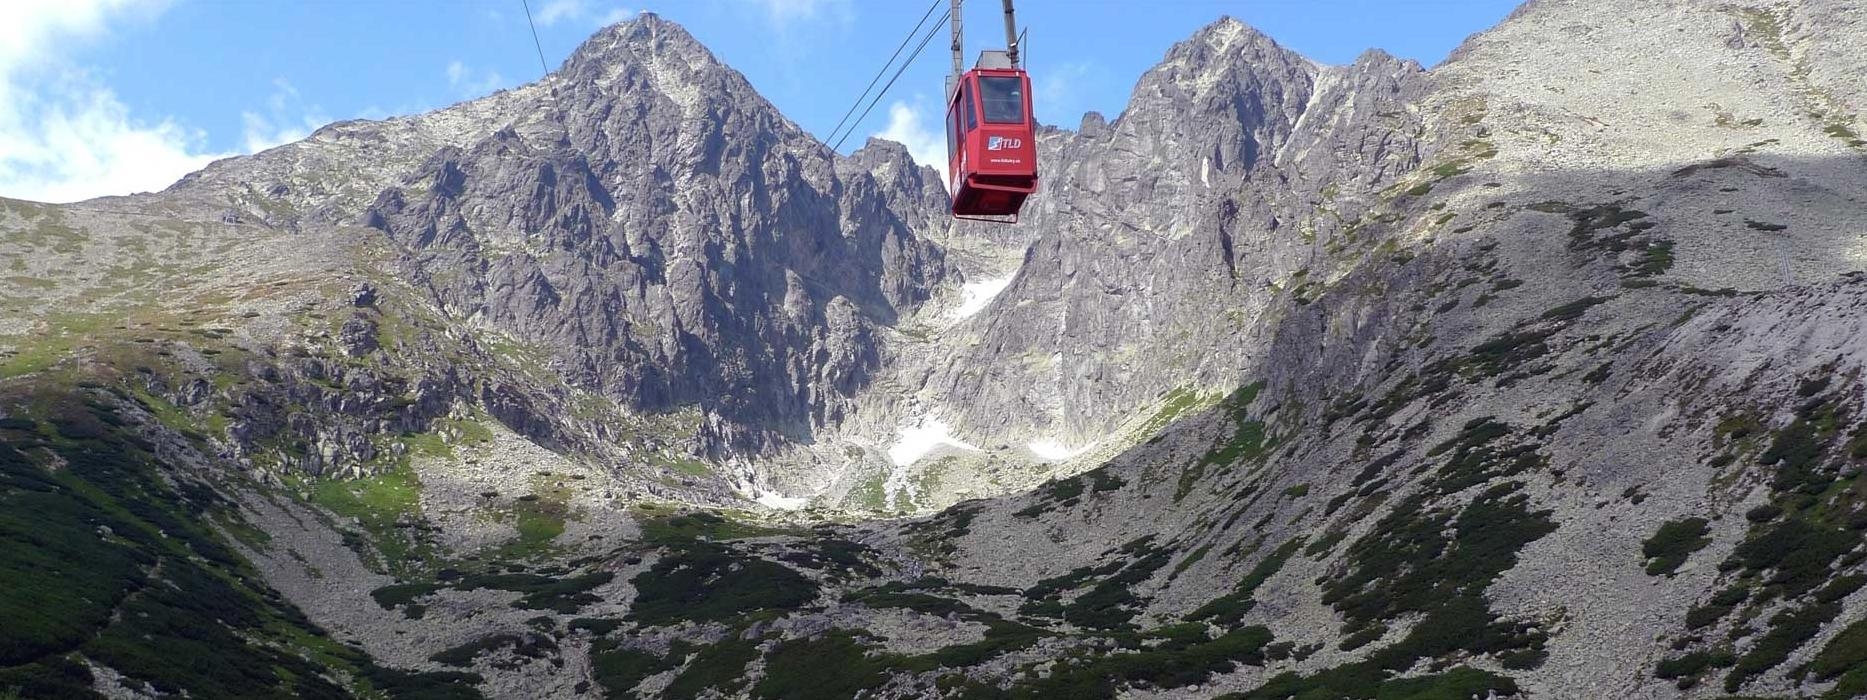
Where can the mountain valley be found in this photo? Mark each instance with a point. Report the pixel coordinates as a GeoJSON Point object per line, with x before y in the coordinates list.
{"type": "Point", "coordinates": [1541, 373]}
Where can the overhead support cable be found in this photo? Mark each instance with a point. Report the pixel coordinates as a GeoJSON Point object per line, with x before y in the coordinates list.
{"type": "Point", "coordinates": [535, 43]}
{"type": "Point", "coordinates": [884, 69]}
{"type": "Point", "coordinates": [897, 76]}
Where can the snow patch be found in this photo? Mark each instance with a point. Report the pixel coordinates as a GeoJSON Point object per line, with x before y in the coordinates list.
{"type": "Point", "coordinates": [917, 441]}
{"type": "Point", "coordinates": [1051, 450]}
{"type": "Point", "coordinates": [928, 434]}
{"type": "Point", "coordinates": [771, 499]}
{"type": "Point", "coordinates": [978, 294]}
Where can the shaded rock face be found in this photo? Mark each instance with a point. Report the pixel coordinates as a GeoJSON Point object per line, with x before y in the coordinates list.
{"type": "Point", "coordinates": [668, 239]}
{"type": "Point", "coordinates": [1160, 239]}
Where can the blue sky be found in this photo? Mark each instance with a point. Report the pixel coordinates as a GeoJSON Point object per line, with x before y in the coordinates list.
{"type": "Point", "coordinates": [113, 96]}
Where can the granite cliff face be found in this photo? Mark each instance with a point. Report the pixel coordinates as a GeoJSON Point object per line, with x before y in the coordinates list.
{"type": "Point", "coordinates": [1160, 238]}
{"type": "Point", "coordinates": [672, 238]}
{"type": "Point", "coordinates": [1537, 374]}
{"type": "Point", "coordinates": [654, 229]}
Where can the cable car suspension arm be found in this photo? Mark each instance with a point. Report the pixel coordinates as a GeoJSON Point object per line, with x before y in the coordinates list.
{"type": "Point", "coordinates": [1011, 34]}
{"type": "Point", "coordinates": [959, 42]}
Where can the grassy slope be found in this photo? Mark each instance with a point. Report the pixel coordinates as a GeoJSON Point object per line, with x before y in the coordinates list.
{"type": "Point", "coordinates": [110, 557]}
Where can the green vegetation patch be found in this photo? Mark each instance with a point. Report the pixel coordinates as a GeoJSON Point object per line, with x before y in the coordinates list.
{"type": "Point", "coordinates": [1437, 562]}
{"type": "Point", "coordinates": [1001, 636]}
{"type": "Point", "coordinates": [528, 646]}
{"type": "Point", "coordinates": [709, 582]}
{"type": "Point", "coordinates": [1228, 610]}
{"type": "Point", "coordinates": [1792, 557]}
{"type": "Point", "coordinates": [1477, 457]}
{"type": "Point", "coordinates": [1846, 654]}
{"type": "Point", "coordinates": [720, 667]}
{"type": "Point", "coordinates": [426, 685]}
{"type": "Point", "coordinates": [1181, 657]}
{"type": "Point", "coordinates": [839, 558]}
{"type": "Point", "coordinates": [831, 667]}
{"type": "Point", "coordinates": [1111, 603]}
{"type": "Point", "coordinates": [1573, 310]}
{"type": "Point", "coordinates": [1189, 560]}
{"type": "Point", "coordinates": [1800, 554]}
{"type": "Point", "coordinates": [1653, 260]}
{"type": "Point", "coordinates": [1248, 440]}
{"type": "Point", "coordinates": [1788, 631]}
{"type": "Point", "coordinates": [1675, 540]}
{"type": "Point", "coordinates": [384, 505]}
{"type": "Point", "coordinates": [1622, 224]}
{"type": "Point", "coordinates": [936, 536]}
{"type": "Point", "coordinates": [1722, 603]}
{"type": "Point", "coordinates": [1173, 406]}
{"type": "Point", "coordinates": [1108, 604]}
{"type": "Point", "coordinates": [1689, 667]}
{"type": "Point", "coordinates": [63, 333]}
{"type": "Point", "coordinates": [1612, 230]}
{"type": "Point", "coordinates": [112, 557]}
{"type": "Point", "coordinates": [684, 528]}
{"type": "Point", "coordinates": [620, 670]}
{"type": "Point", "coordinates": [565, 595]}
{"type": "Point", "coordinates": [1069, 492]}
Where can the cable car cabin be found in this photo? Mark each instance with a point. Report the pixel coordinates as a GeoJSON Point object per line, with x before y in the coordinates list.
{"type": "Point", "coordinates": [992, 155]}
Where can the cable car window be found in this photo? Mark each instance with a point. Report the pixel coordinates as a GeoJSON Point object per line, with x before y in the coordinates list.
{"type": "Point", "coordinates": [972, 113]}
{"type": "Point", "coordinates": [952, 129]}
{"type": "Point", "coordinates": [1003, 98]}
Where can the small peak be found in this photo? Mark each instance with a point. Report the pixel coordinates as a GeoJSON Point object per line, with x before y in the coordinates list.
{"type": "Point", "coordinates": [880, 147]}
{"type": "Point", "coordinates": [1378, 58]}
{"type": "Point", "coordinates": [887, 160]}
{"type": "Point", "coordinates": [644, 30]}
{"type": "Point", "coordinates": [1228, 30]}
{"type": "Point", "coordinates": [646, 21]}
{"type": "Point", "coordinates": [645, 38]}
{"type": "Point", "coordinates": [1093, 124]}
{"type": "Point", "coordinates": [651, 26]}
{"type": "Point", "coordinates": [1226, 39]}
{"type": "Point", "coordinates": [1375, 55]}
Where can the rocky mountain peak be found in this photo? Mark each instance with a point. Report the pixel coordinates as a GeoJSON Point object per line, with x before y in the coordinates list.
{"type": "Point", "coordinates": [891, 162]}
{"type": "Point", "coordinates": [646, 37]}
{"type": "Point", "coordinates": [648, 55]}
{"type": "Point", "coordinates": [1226, 35]}
{"type": "Point", "coordinates": [1227, 73]}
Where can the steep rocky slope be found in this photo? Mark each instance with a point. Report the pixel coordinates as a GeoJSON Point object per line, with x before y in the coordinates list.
{"type": "Point", "coordinates": [646, 222]}
{"type": "Point", "coordinates": [1538, 374]}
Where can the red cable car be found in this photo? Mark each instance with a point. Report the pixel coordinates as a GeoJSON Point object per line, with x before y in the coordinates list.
{"type": "Point", "coordinates": [991, 149]}
{"type": "Point", "coordinates": [993, 155]}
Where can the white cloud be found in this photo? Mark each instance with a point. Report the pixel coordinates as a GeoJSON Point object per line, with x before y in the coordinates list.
{"type": "Point", "coordinates": [559, 10]}
{"type": "Point", "coordinates": [64, 135]}
{"type": "Point", "coordinates": [786, 12]}
{"type": "Point", "coordinates": [77, 141]}
{"type": "Point", "coordinates": [468, 83]}
{"type": "Point", "coordinates": [288, 120]}
{"type": "Point", "coordinates": [1057, 97]}
{"type": "Point", "coordinates": [619, 14]}
{"type": "Point", "coordinates": [910, 126]}
{"type": "Point", "coordinates": [579, 10]}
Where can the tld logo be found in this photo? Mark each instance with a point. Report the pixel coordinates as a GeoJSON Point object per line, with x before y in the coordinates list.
{"type": "Point", "coordinates": [1000, 143]}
